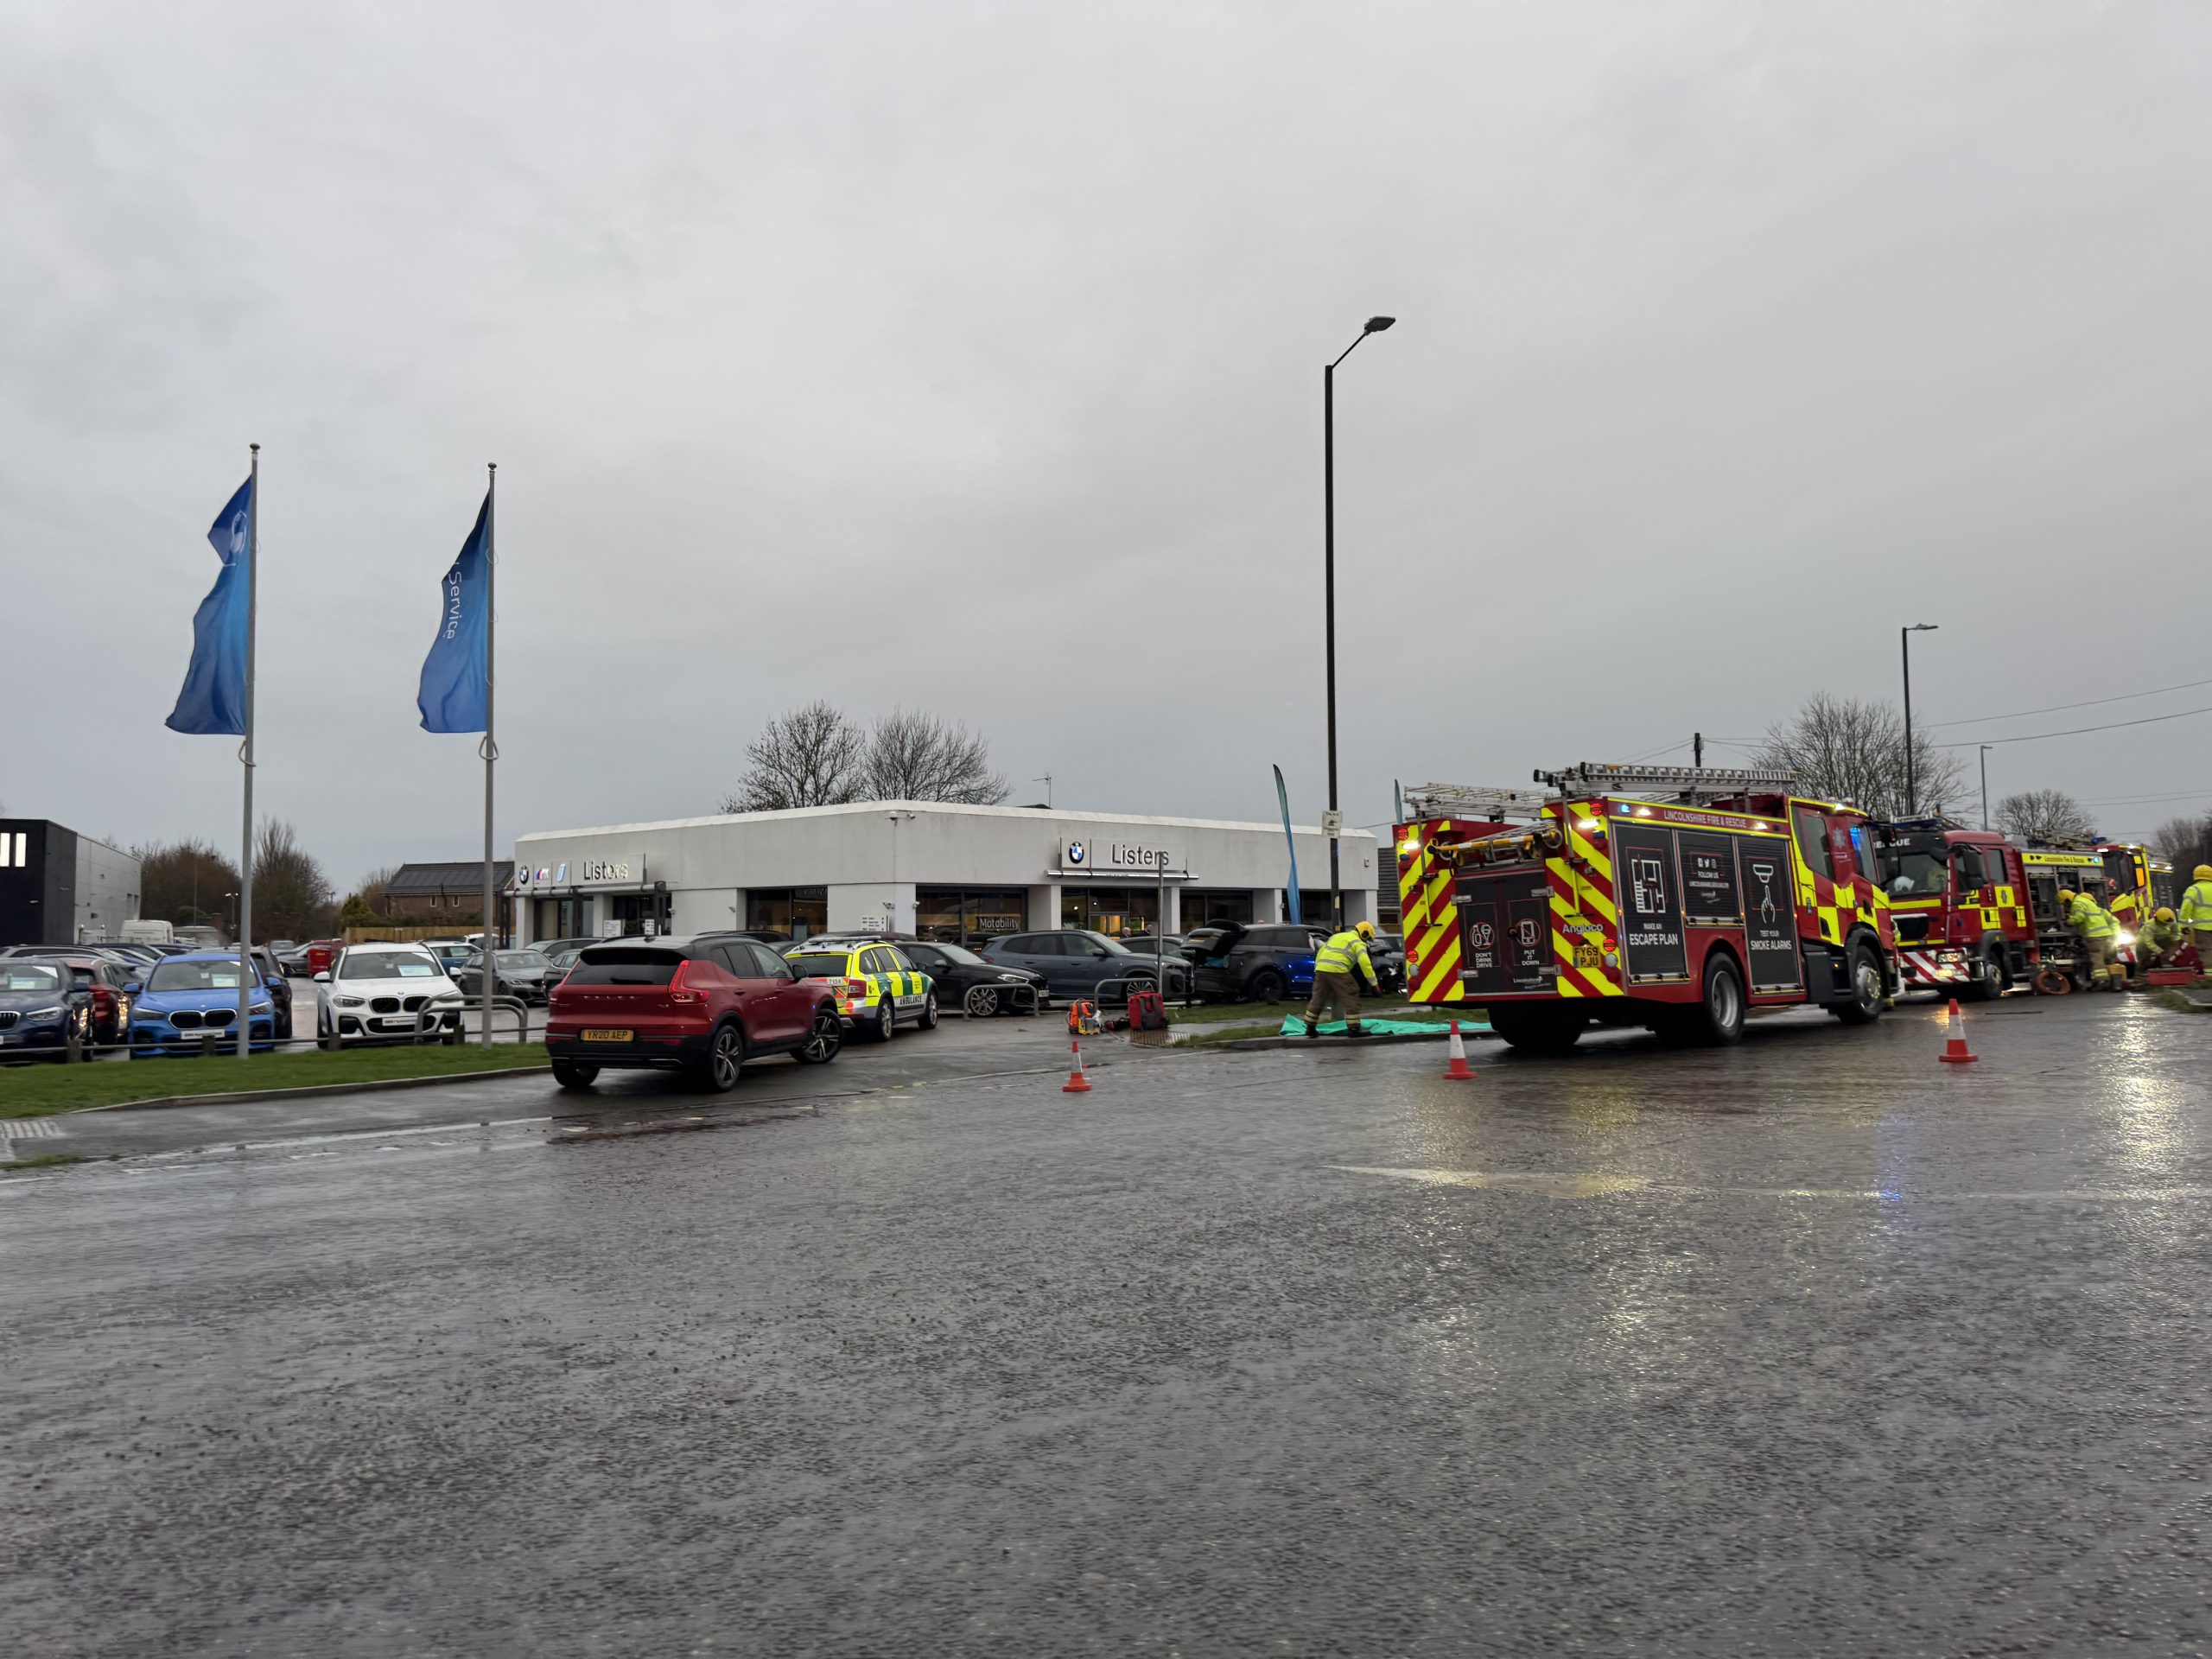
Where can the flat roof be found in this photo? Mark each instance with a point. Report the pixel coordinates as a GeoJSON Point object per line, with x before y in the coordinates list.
{"type": "Point", "coordinates": [1035, 815]}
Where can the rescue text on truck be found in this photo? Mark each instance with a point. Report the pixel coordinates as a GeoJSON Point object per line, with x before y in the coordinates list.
{"type": "Point", "coordinates": [1674, 898]}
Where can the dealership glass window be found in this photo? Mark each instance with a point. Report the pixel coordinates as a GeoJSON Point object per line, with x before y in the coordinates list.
{"type": "Point", "coordinates": [802, 912]}
{"type": "Point", "coordinates": [1211, 907]}
{"type": "Point", "coordinates": [640, 912]}
{"type": "Point", "coordinates": [1314, 906]}
{"type": "Point", "coordinates": [970, 916]}
{"type": "Point", "coordinates": [1111, 910]}
{"type": "Point", "coordinates": [563, 919]}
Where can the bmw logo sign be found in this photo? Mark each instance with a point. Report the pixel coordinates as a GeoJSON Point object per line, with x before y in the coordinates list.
{"type": "Point", "coordinates": [1077, 851]}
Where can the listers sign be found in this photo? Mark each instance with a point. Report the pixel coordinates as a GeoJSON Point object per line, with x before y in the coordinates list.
{"type": "Point", "coordinates": [602, 869]}
{"type": "Point", "coordinates": [1117, 857]}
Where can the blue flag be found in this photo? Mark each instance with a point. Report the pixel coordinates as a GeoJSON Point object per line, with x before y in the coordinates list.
{"type": "Point", "coordinates": [213, 698]}
{"type": "Point", "coordinates": [456, 678]}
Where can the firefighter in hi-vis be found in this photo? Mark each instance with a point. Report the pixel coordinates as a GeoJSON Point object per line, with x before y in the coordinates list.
{"type": "Point", "coordinates": [2197, 916]}
{"type": "Point", "coordinates": [1338, 968]}
{"type": "Point", "coordinates": [2161, 937]}
{"type": "Point", "coordinates": [2099, 936]}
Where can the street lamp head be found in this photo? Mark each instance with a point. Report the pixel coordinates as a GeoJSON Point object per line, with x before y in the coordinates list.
{"type": "Point", "coordinates": [1923, 627]}
{"type": "Point", "coordinates": [1377, 325]}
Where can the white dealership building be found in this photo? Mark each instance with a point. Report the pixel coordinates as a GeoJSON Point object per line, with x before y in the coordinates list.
{"type": "Point", "coordinates": [964, 873]}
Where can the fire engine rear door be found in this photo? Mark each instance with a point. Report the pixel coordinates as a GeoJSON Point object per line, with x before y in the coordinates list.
{"type": "Point", "coordinates": [1644, 877]}
{"type": "Point", "coordinates": [1504, 933]}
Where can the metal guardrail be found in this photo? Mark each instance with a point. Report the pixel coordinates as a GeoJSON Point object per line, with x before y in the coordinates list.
{"type": "Point", "coordinates": [218, 1041]}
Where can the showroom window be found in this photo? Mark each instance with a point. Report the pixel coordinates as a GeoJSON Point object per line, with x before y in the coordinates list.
{"type": "Point", "coordinates": [1211, 907]}
{"type": "Point", "coordinates": [796, 912]}
{"type": "Point", "coordinates": [1111, 911]}
{"type": "Point", "coordinates": [972, 915]}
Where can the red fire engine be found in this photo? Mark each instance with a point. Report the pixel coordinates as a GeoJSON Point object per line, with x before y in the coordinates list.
{"type": "Point", "coordinates": [1675, 898]}
{"type": "Point", "coordinates": [1959, 900]}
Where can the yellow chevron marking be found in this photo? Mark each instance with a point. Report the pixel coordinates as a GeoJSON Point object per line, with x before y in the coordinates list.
{"type": "Point", "coordinates": [1446, 968]}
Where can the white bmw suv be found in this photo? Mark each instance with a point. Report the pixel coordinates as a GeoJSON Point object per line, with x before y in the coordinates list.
{"type": "Point", "coordinates": [386, 993]}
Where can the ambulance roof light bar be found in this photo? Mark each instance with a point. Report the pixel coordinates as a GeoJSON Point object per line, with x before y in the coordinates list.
{"type": "Point", "coordinates": [1600, 777]}
{"type": "Point", "coordinates": [1473, 801]}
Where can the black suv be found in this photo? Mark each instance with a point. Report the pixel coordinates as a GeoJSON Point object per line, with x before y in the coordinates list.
{"type": "Point", "coordinates": [1075, 961]}
{"type": "Point", "coordinates": [1236, 963]}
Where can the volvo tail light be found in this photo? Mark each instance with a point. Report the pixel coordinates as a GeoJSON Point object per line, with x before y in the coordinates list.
{"type": "Point", "coordinates": [676, 993]}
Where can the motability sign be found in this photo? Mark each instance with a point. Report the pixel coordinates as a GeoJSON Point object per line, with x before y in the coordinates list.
{"type": "Point", "coordinates": [456, 679]}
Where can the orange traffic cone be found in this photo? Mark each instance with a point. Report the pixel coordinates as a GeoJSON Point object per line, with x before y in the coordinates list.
{"type": "Point", "coordinates": [1077, 1084]}
{"type": "Point", "coordinates": [1955, 1052]}
{"type": "Point", "coordinates": [1458, 1070]}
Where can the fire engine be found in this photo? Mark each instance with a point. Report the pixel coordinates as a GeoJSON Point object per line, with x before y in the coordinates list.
{"type": "Point", "coordinates": [2124, 877]}
{"type": "Point", "coordinates": [1959, 900]}
{"type": "Point", "coordinates": [1675, 898]}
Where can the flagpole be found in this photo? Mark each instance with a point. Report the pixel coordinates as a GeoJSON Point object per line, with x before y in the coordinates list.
{"type": "Point", "coordinates": [245, 757]}
{"type": "Point", "coordinates": [491, 750]}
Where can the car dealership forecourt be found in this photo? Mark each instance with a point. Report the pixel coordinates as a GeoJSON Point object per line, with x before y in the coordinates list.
{"type": "Point", "coordinates": [964, 873]}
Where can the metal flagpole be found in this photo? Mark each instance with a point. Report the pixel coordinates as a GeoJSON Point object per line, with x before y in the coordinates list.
{"type": "Point", "coordinates": [246, 759]}
{"type": "Point", "coordinates": [489, 749]}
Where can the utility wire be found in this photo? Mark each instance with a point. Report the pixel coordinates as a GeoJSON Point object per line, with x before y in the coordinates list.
{"type": "Point", "coordinates": [2092, 702]}
{"type": "Point", "coordinates": [2073, 731]}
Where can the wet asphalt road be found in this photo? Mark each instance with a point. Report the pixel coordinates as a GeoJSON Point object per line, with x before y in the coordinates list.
{"type": "Point", "coordinates": [1807, 1347]}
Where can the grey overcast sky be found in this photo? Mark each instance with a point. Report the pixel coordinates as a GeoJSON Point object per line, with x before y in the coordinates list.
{"type": "Point", "coordinates": [969, 356]}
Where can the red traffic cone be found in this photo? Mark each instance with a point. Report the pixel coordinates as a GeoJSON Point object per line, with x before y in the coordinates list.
{"type": "Point", "coordinates": [1458, 1070]}
{"type": "Point", "coordinates": [1955, 1051]}
{"type": "Point", "coordinates": [1077, 1084]}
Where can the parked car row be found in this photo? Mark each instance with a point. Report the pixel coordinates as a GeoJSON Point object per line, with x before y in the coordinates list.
{"type": "Point", "coordinates": [155, 998]}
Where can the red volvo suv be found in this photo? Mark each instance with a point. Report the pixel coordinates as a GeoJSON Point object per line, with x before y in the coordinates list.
{"type": "Point", "coordinates": [701, 1008]}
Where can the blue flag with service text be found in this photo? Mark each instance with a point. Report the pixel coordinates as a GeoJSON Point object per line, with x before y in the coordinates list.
{"type": "Point", "coordinates": [213, 698]}
{"type": "Point", "coordinates": [456, 674]}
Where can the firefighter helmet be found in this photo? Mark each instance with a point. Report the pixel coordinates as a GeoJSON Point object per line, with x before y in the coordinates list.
{"type": "Point", "coordinates": [1365, 929]}
{"type": "Point", "coordinates": [2163, 913]}
{"type": "Point", "coordinates": [2066, 895]}
{"type": "Point", "coordinates": [2203, 872]}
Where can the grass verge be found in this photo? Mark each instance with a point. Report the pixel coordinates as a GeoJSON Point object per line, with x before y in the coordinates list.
{"type": "Point", "coordinates": [44, 1160]}
{"type": "Point", "coordinates": [37, 1090]}
{"type": "Point", "coordinates": [2170, 998]}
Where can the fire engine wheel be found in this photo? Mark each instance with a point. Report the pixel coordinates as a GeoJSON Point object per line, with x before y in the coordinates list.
{"type": "Point", "coordinates": [1989, 984]}
{"type": "Point", "coordinates": [1538, 1031]}
{"type": "Point", "coordinates": [1718, 1019]}
{"type": "Point", "coordinates": [1865, 1006]}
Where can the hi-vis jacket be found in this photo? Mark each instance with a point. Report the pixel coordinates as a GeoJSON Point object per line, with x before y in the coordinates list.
{"type": "Point", "coordinates": [2196, 905]}
{"type": "Point", "coordinates": [2090, 920]}
{"type": "Point", "coordinates": [1345, 953]}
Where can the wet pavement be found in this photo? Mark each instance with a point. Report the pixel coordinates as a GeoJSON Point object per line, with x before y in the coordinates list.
{"type": "Point", "coordinates": [1811, 1346]}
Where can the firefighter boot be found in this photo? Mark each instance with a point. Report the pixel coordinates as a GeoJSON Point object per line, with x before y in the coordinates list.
{"type": "Point", "coordinates": [1311, 1029]}
{"type": "Point", "coordinates": [1354, 1030]}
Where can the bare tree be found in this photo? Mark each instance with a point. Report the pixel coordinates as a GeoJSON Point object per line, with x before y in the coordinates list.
{"type": "Point", "coordinates": [1842, 749]}
{"type": "Point", "coordinates": [812, 756]}
{"type": "Point", "coordinates": [375, 888]}
{"type": "Point", "coordinates": [291, 895]}
{"type": "Point", "coordinates": [187, 882]}
{"type": "Point", "coordinates": [2041, 816]}
{"type": "Point", "coordinates": [2187, 842]}
{"type": "Point", "coordinates": [921, 757]}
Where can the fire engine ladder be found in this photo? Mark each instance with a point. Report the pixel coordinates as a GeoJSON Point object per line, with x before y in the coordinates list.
{"type": "Point", "coordinates": [1686, 784]}
{"type": "Point", "coordinates": [1473, 801]}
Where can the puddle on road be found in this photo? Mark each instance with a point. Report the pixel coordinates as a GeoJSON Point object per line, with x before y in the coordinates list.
{"type": "Point", "coordinates": [1548, 1185]}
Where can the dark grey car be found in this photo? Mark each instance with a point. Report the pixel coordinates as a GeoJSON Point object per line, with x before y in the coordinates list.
{"type": "Point", "coordinates": [1075, 961]}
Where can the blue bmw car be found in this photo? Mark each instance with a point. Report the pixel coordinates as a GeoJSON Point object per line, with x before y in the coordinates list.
{"type": "Point", "coordinates": [42, 1011]}
{"type": "Point", "coordinates": [190, 998]}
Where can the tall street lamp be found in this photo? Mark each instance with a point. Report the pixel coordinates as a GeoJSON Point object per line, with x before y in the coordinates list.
{"type": "Point", "coordinates": [1905, 644]}
{"type": "Point", "coordinates": [1984, 783]}
{"type": "Point", "coordinates": [1375, 326]}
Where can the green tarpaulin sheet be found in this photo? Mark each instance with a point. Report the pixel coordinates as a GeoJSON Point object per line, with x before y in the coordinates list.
{"type": "Point", "coordinates": [1294, 1025]}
